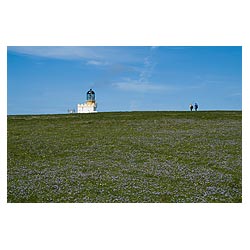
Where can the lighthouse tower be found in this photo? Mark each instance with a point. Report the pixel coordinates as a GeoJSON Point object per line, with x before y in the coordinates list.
{"type": "Point", "coordinates": [90, 105]}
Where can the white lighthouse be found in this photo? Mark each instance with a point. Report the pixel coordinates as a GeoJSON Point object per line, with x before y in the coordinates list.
{"type": "Point", "coordinates": [90, 105]}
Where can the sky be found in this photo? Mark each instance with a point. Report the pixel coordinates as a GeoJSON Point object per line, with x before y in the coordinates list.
{"type": "Point", "coordinates": [51, 80]}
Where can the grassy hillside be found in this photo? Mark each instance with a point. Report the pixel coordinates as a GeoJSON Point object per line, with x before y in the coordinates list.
{"type": "Point", "coordinates": [126, 157]}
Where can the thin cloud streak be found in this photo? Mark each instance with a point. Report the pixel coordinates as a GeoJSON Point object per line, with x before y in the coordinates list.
{"type": "Point", "coordinates": [97, 63]}
{"type": "Point", "coordinates": [100, 54]}
{"type": "Point", "coordinates": [154, 47]}
{"type": "Point", "coordinates": [147, 70]}
{"type": "Point", "coordinates": [56, 52]}
{"type": "Point", "coordinates": [139, 87]}
{"type": "Point", "coordinates": [136, 86]}
{"type": "Point", "coordinates": [237, 94]}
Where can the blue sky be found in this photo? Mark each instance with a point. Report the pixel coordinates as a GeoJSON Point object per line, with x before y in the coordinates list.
{"type": "Point", "coordinates": [47, 80]}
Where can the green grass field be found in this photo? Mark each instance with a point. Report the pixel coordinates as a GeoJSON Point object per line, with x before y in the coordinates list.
{"type": "Point", "coordinates": [126, 157]}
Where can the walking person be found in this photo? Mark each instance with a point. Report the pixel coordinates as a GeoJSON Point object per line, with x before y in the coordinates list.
{"type": "Point", "coordinates": [191, 107]}
{"type": "Point", "coordinates": [196, 106]}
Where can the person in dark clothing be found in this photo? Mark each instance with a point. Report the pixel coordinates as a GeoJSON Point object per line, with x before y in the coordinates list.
{"type": "Point", "coordinates": [191, 107]}
{"type": "Point", "coordinates": [196, 106]}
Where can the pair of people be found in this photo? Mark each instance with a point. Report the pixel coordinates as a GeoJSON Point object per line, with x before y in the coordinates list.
{"type": "Point", "coordinates": [195, 107]}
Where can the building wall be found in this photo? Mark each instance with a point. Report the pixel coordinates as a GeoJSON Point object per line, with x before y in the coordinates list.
{"type": "Point", "coordinates": [86, 108]}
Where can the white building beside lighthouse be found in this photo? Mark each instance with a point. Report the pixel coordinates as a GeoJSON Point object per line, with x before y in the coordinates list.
{"type": "Point", "coordinates": [90, 105]}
